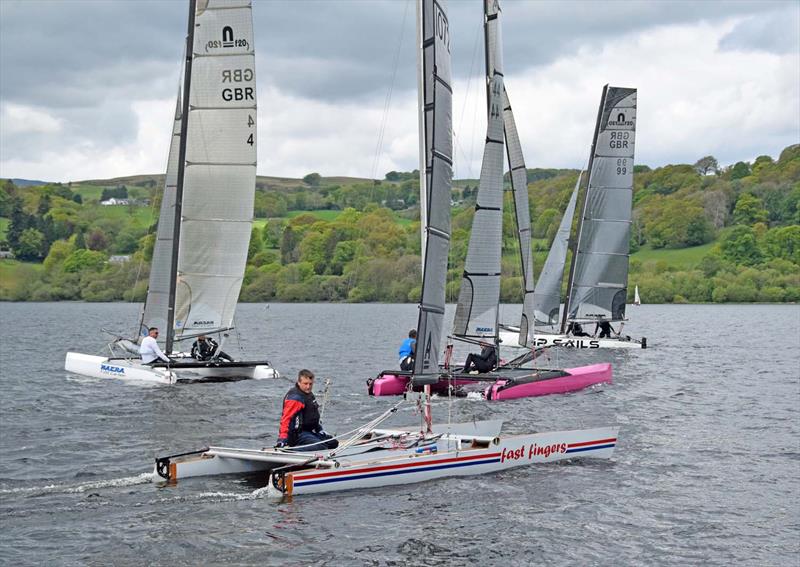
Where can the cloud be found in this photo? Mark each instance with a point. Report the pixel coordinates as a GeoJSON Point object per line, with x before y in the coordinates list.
{"type": "Point", "coordinates": [775, 32]}
{"type": "Point", "coordinates": [93, 95]}
{"type": "Point", "coordinates": [19, 119]}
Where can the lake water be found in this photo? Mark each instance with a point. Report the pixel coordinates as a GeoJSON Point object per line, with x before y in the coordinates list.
{"type": "Point", "coordinates": [706, 470]}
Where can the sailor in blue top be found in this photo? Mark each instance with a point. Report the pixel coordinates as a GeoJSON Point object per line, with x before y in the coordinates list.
{"type": "Point", "coordinates": [407, 351]}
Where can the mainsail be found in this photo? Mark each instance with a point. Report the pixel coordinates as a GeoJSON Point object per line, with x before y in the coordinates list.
{"type": "Point", "coordinates": [598, 283]}
{"type": "Point", "coordinates": [548, 289]}
{"type": "Point", "coordinates": [436, 140]}
{"type": "Point", "coordinates": [479, 297]}
{"type": "Point", "coordinates": [204, 228]}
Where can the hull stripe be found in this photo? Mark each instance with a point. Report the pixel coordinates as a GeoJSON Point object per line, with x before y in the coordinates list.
{"type": "Point", "coordinates": [595, 448]}
{"type": "Point", "coordinates": [399, 466]}
{"type": "Point", "coordinates": [299, 482]}
{"type": "Point", "coordinates": [611, 440]}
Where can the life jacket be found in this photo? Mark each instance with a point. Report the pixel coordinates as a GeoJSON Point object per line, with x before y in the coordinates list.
{"type": "Point", "coordinates": [300, 413]}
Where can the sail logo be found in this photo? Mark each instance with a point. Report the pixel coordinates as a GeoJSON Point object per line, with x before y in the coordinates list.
{"type": "Point", "coordinates": [227, 41]}
{"type": "Point", "coordinates": [227, 36]}
{"type": "Point", "coordinates": [621, 120]}
{"type": "Point", "coordinates": [442, 30]}
{"type": "Point", "coordinates": [484, 330]}
{"type": "Point", "coordinates": [112, 370]}
{"type": "Point", "coordinates": [202, 323]}
{"type": "Point", "coordinates": [570, 343]}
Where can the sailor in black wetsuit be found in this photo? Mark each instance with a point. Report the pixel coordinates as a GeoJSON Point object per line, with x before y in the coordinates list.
{"type": "Point", "coordinates": [205, 347]}
{"type": "Point", "coordinates": [483, 362]}
{"type": "Point", "coordinates": [606, 330]}
{"type": "Point", "coordinates": [576, 330]}
{"type": "Point", "coordinates": [300, 421]}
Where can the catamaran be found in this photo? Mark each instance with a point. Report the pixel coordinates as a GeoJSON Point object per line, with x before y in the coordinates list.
{"type": "Point", "coordinates": [370, 456]}
{"type": "Point", "coordinates": [598, 277]}
{"type": "Point", "coordinates": [478, 308]}
{"type": "Point", "coordinates": [206, 214]}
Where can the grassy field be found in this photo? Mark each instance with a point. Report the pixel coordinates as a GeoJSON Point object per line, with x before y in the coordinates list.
{"type": "Point", "coordinates": [142, 216]}
{"type": "Point", "coordinates": [682, 258]}
{"type": "Point", "coordinates": [13, 273]}
{"type": "Point", "coordinates": [3, 227]}
{"type": "Point", "coordinates": [326, 215]}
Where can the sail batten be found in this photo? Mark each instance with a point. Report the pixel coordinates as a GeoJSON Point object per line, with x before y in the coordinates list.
{"type": "Point", "coordinates": [599, 278]}
{"type": "Point", "coordinates": [436, 159]}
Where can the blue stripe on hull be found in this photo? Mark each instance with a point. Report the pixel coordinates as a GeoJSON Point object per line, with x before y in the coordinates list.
{"type": "Point", "coordinates": [300, 483]}
{"type": "Point", "coordinates": [595, 448]}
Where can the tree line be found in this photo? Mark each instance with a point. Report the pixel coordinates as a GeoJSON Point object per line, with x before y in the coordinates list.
{"type": "Point", "coordinates": [369, 249]}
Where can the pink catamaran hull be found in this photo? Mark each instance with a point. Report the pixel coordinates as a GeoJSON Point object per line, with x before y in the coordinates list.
{"type": "Point", "coordinates": [576, 379]}
{"type": "Point", "coordinates": [570, 380]}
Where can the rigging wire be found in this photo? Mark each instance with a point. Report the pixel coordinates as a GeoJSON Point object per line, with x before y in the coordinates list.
{"type": "Point", "coordinates": [466, 99]}
{"type": "Point", "coordinates": [388, 100]}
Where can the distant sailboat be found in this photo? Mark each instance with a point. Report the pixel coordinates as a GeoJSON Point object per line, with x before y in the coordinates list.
{"type": "Point", "coordinates": [636, 299]}
{"type": "Point", "coordinates": [598, 275]}
{"type": "Point", "coordinates": [204, 226]}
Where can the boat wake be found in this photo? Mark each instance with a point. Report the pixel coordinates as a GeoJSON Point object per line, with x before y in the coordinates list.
{"type": "Point", "coordinates": [142, 478]}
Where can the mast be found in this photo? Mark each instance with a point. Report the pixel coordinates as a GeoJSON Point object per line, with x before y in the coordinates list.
{"type": "Point", "coordinates": [575, 243]}
{"type": "Point", "coordinates": [423, 173]}
{"type": "Point", "coordinates": [437, 136]}
{"type": "Point", "coordinates": [187, 79]}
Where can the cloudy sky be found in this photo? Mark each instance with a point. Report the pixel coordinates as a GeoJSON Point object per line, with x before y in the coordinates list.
{"type": "Point", "coordinates": [87, 87]}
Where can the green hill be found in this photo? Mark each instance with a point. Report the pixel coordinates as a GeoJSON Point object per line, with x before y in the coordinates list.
{"type": "Point", "coordinates": [700, 233]}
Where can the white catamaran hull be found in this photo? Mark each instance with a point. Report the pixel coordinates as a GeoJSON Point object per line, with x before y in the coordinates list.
{"type": "Point", "coordinates": [131, 369]}
{"type": "Point", "coordinates": [511, 339]}
{"type": "Point", "coordinates": [368, 466]}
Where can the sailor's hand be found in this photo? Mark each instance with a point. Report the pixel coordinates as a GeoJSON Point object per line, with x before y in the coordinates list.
{"type": "Point", "coordinates": [280, 444]}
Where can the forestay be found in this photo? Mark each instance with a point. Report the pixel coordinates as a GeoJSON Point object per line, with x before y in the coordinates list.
{"type": "Point", "coordinates": [598, 287]}
{"type": "Point", "coordinates": [548, 289]}
{"type": "Point", "coordinates": [220, 168]}
{"type": "Point", "coordinates": [479, 297]}
{"type": "Point", "coordinates": [436, 141]}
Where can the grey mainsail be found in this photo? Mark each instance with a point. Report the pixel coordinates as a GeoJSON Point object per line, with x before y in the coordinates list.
{"type": "Point", "coordinates": [479, 297]}
{"type": "Point", "coordinates": [218, 182]}
{"type": "Point", "coordinates": [437, 163]}
{"type": "Point", "coordinates": [156, 306]}
{"type": "Point", "coordinates": [547, 300]}
{"type": "Point", "coordinates": [598, 284]}
{"type": "Point", "coordinates": [518, 172]}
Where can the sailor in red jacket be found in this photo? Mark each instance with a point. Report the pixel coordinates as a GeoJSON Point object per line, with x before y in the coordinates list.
{"type": "Point", "coordinates": [300, 426]}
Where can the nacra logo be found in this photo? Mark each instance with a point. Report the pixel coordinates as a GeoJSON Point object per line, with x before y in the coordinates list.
{"type": "Point", "coordinates": [484, 330]}
{"type": "Point", "coordinates": [531, 451]}
{"type": "Point", "coordinates": [202, 323]}
{"type": "Point", "coordinates": [108, 369]}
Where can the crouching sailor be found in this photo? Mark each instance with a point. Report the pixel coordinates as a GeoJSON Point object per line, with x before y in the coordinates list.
{"type": "Point", "coordinates": [300, 426]}
{"type": "Point", "coordinates": [149, 349]}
